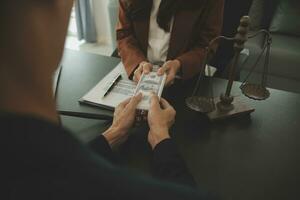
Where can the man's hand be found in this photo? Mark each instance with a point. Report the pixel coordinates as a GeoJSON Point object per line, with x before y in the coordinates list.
{"type": "Point", "coordinates": [161, 117]}
{"type": "Point", "coordinates": [124, 118]}
{"type": "Point", "coordinates": [171, 68]}
{"type": "Point", "coordinates": [144, 67]}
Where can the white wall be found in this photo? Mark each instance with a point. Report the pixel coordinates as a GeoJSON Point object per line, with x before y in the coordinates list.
{"type": "Point", "coordinates": [105, 20]}
{"type": "Point", "coordinates": [102, 20]}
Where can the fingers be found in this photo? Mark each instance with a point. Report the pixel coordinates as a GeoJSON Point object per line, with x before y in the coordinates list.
{"type": "Point", "coordinates": [170, 79]}
{"type": "Point", "coordinates": [122, 106]}
{"type": "Point", "coordinates": [135, 101]}
{"type": "Point", "coordinates": [171, 68]}
{"type": "Point", "coordinates": [131, 102]}
{"type": "Point", "coordinates": [147, 68]}
{"type": "Point", "coordinates": [137, 74]}
{"type": "Point", "coordinates": [124, 103]}
{"type": "Point", "coordinates": [144, 67]}
{"type": "Point", "coordinates": [154, 103]}
{"type": "Point", "coordinates": [171, 73]}
{"type": "Point", "coordinates": [164, 69]}
{"type": "Point", "coordinates": [165, 104]}
{"type": "Point", "coordinates": [162, 103]}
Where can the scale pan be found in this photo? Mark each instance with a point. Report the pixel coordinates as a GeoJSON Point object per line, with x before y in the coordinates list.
{"type": "Point", "coordinates": [256, 92]}
{"type": "Point", "coordinates": [200, 104]}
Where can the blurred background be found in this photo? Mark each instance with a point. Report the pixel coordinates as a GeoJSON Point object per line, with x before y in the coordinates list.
{"type": "Point", "coordinates": [92, 26]}
{"type": "Point", "coordinates": [92, 29]}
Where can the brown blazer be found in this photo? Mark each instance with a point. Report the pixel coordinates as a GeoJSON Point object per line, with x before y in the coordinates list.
{"type": "Point", "coordinates": [191, 33]}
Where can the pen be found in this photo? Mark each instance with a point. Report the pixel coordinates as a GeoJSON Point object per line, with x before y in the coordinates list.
{"type": "Point", "coordinates": [112, 85]}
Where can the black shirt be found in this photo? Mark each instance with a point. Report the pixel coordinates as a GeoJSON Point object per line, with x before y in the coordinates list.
{"type": "Point", "coordinates": [43, 161]}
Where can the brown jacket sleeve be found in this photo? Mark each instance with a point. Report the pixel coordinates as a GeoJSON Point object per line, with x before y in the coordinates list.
{"type": "Point", "coordinates": [209, 28]}
{"type": "Point", "coordinates": [128, 47]}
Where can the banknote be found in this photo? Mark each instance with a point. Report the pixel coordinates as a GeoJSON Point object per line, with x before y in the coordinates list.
{"type": "Point", "coordinates": [148, 84]}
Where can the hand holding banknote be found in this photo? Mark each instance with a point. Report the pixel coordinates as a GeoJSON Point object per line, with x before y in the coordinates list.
{"type": "Point", "coordinates": [150, 83]}
{"type": "Point", "coordinates": [144, 67]}
{"type": "Point", "coordinates": [161, 117]}
{"type": "Point", "coordinates": [170, 68]}
{"type": "Point", "coordinates": [124, 117]}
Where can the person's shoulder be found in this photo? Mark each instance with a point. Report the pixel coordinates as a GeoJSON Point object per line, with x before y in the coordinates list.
{"type": "Point", "coordinates": [8, 119]}
{"type": "Point", "coordinates": [28, 128]}
{"type": "Point", "coordinates": [36, 140]}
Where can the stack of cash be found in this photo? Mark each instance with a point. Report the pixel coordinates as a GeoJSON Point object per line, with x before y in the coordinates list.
{"type": "Point", "coordinates": [148, 84]}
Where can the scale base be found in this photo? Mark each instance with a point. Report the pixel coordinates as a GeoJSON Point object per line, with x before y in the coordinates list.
{"type": "Point", "coordinates": [200, 104]}
{"type": "Point", "coordinates": [237, 108]}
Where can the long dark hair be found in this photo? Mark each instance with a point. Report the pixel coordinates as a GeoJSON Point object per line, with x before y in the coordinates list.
{"type": "Point", "coordinates": [140, 9]}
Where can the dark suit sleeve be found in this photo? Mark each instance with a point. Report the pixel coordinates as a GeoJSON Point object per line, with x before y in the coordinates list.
{"type": "Point", "coordinates": [167, 164]}
{"type": "Point", "coordinates": [101, 147]}
{"type": "Point", "coordinates": [47, 162]}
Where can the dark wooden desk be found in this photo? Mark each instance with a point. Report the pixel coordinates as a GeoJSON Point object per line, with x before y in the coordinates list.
{"type": "Point", "coordinates": [253, 157]}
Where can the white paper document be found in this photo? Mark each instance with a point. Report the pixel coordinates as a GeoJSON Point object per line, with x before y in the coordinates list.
{"type": "Point", "coordinates": [121, 91]}
{"type": "Point", "coordinates": [124, 89]}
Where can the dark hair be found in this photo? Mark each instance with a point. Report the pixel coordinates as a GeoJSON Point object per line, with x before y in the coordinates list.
{"type": "Point", "coordinates": [140, 9]}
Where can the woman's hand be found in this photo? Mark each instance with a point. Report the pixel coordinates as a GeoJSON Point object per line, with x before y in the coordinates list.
{"type": "Point", "coordinates": [144, 67]}
{"type": "Point", "coordinates": [124, 118]}
{"type": "Point", "coordinates": [161, 117]}
{"type": "Point", "coordinates": [171, 68]}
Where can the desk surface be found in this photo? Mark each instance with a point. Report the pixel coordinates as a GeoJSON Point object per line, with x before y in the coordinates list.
{"type": "Point", "coordinates": [254, 157]}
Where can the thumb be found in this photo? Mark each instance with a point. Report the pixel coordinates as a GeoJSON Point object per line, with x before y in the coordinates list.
{"type": "Point", "coordinates": [135, 101]}
{"type": "Point", "coordinates": [163, 69]}
{"type": "Point", "coordinates": [165, 104]}
{"type": "Point", "coordinates": [154, 104]}
{"type": "Point", "coordinates": [147, 68]}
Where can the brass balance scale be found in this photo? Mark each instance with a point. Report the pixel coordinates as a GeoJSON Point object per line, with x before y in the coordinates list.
{"type": "Point", "coordinates": [226, 105]}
